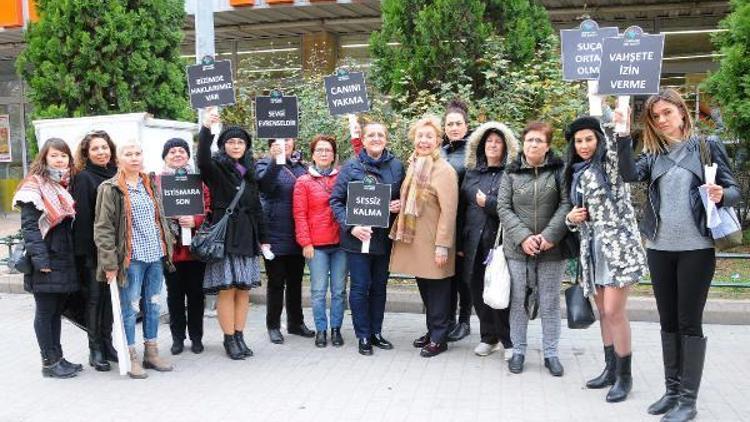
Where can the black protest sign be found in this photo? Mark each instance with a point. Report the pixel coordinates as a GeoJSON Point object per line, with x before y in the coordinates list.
{"type": "Point", "coordinates": [210, 84]}
{"type": "Point", "coordinates": [631, 63]}
{"type": "Point", "coordinates": [182, 194]}
{"type": "Point", "coordinates": [367, 204]}
{"type": "Point", "coordinates": [276, 116]}
{"type": "Point", "coordinates": [346, 93]}
{"type": "Point", "coordinates": [582, 50]}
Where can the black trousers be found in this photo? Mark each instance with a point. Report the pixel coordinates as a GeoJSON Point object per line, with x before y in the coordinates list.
{"type": "Point", "coordinates": [186, 284]}
{"type": "Point", "coordinates": [47, 319]}
{"type": "Point", "coordinates": [494, 324]}
{"type": "Point", "coordinates": [460, 295]}
{"type": "Point", "coordinates": [98, 305]}
{"type": "Point", "coordinates": [284, 275]}
{"type": "Point", "coordinates": [681, 280]}
{"type": "Point", "coordinates": [436, 296]}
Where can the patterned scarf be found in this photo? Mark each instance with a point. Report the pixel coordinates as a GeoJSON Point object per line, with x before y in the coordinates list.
{"type": "Point", "coordinates": [49, 197]}
{"type": "Point", "coordinates": [415, 185]}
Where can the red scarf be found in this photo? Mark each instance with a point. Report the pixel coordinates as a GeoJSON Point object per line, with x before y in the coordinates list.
{"type": "Point", "coordinates": [51, 198]}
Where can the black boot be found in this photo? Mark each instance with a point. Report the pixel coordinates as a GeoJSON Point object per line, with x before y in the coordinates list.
{"type": "Point", "coordinates": [607, 376]}
{"type": "Point", "coordinates": [232, 348]}
{"type": "Point", "coordinates": [64, 362]}
{"type": "Point", "coordinates": [670, 351]}
{"type": "Point", "coordinates": [336, 338]}
{"type": "Point", "coordinates": [623, 381]}
{"type": "Point", "coordinates": [110, 353]}
{"type": "Point", "coordinates": [693, 356]}
{"type": "Point", "coordinates": [178, 345]}
{"type": "Point", "coordinates": [97, 359]}
{"type": "Point", "coordinates": [240, 338]}
{"type": "Point", "coordinates": [300, 330]}
{"type": "Point", "coordinates": [320, 339]}
{"type": "Point", "coordinates": [52, 365]}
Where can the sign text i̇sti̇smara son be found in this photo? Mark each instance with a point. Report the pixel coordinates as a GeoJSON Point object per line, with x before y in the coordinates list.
{"type": "Point", "coordinates": [582, 50]}
{"type": "Point", "coordinates": [631, 63]}
{"type": "Point", "coordinates": [367, 204]}
{"type": "Point", "coordinates": [182, 194]}
{"type": "Point", "coordinates": [276, 116]}
{"type": "Point", "coordinates": [210, 84]}
{"type": "Point", "coordinates": [346, 93]}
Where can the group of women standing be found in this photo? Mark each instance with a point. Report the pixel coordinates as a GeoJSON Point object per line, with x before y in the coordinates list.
{"type": "Point", "coordinates": [461, 195]}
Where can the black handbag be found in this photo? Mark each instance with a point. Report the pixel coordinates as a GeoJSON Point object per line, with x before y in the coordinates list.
{"type": "Point", "coordinates": [208, 242]}
{"type": "Point", "coordinates": [19, 260]}
{"type": "Point", "coordinates": [578, 307]}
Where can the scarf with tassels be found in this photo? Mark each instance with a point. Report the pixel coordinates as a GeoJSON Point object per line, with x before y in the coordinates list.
{"type": "Point", "coordinates": [49, 197]}
{"type": "Point", "coordinates": [416, 184]}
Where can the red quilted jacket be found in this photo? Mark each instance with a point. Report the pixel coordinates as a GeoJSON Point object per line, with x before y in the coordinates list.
{"type": "Point", "coordinates": [313, 219]}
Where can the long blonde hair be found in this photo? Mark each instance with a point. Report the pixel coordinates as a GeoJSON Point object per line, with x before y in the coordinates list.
{"type": "Point", "coordinates": [654, 141]}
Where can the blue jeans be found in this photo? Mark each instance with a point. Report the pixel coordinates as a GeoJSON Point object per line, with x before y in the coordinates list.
{"type": "Point", "coordinates": [146, 277]}
{"type": "Point", "coordinates": [369, 277]}
{"type": "Point", "coordinates": [327, 261]}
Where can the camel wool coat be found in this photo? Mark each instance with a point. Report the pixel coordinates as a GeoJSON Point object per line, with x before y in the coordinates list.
{"type": "Point", "coordinates": [436, 226]}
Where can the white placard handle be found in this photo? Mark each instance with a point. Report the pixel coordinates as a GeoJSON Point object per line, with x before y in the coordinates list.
{"type": "Point", "coordinates": [186, 235]}
{"type": "Point", "coordinates": [118, 330]}
{"type": "Point", "coordinates": [595, 101]}
{"type": "Point", "coordinates": [281, 158]}
{"type": "Point", "coordinates": [353, 126]}
{"type": "Point", "coordinates": [366, 243]}
{"type": "Point", "coordinates": [623, 103]}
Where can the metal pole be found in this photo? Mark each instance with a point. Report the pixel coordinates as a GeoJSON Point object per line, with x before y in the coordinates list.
{"type": "Point", "coordinates": [204, 34]}
{"type": "Point", "coordinates": [22, 104]}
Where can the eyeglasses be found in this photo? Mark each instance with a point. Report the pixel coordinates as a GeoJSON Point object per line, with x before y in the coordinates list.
{"type": "Point", "coordinates": [234, 142]}
{"type": "Point", "coordinates": [323, 151]}
{"type": "Point", "coordinates": [534, 141]}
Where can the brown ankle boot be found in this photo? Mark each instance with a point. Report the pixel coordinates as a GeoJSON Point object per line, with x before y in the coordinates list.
{"type": "Point", "coordinates": [151, 359]}
{"type": "Point", "coordinates": [136, 370]}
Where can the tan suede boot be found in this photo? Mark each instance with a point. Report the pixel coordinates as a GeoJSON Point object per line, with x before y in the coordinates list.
{"type": "Point", "coordinates": [136, 370]}
{"type": "Point", "coordinates": [151, 359]}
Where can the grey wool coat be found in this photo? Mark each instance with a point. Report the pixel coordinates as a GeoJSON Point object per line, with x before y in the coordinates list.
{"type": "Point", "coordinates": [612, 220]}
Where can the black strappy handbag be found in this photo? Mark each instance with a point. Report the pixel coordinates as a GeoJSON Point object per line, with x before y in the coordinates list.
{"type": "Point", "coordinates": [208, 242]}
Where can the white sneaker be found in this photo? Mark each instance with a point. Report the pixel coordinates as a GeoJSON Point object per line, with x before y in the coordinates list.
{"type": "Point", "coordinates": [508, 353]}
{"type": "Point", "coordinates": [484, 349]}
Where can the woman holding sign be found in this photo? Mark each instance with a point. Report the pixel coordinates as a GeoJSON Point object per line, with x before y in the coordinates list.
{"type": "Point", "coordinates": [368, 270]}
{"type": "Point", "coordinates": [134, 246]}
{"type": "Point", "coordinates": [95, 161]}
{"type": "Point", "coordinates": [679, 247]}
{"type": "Point", "coordinates": [185, 284]}
{"type": "Point", "coordinates": [424, 231]}
{"type": "Point", "coordinates": [276, 176]}
{"type": "Point", "coordinates": [318, 235]}
{"type": "Point", "coordinates": [531, 205]}
{"type": "Point", "coordinates": [611, 254]}
{"type": "Point", "coordinates": [47, 215]}
{"type": "Point", "coordinates": [231, 278]}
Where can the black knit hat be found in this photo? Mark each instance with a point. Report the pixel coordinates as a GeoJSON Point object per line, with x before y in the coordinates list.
{"type": "Point", "coordinates": [234, 132]}
{"type": "Point", "coordinates": [584, 122]}
{"type": "Point", "coordinates": [175, 143]}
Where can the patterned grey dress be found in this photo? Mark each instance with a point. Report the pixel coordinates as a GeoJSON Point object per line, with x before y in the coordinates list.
{"type": "Point", "coordinates": [238, 272]}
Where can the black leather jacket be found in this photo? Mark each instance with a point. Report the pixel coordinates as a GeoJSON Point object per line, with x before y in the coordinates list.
{"type": "Point", "coordinates": [650, 167]}
{"type": "Point", "coordinates": [455, 154]}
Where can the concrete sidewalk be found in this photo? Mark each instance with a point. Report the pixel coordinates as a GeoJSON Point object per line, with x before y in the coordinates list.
{"type": "Point", "coordinates": [299, 382]}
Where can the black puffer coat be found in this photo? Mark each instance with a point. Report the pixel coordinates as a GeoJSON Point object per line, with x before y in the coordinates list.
{"type": "Point", "coordinates": [478, 225]}
{"type": "Point", "coordinates": [246, 229]}
{"type": "Point", "coordinates": [55, 252]}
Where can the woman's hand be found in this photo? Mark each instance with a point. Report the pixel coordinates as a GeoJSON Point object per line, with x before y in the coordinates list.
{"type": "Point", "coordinates": [362, 233]}
{"type": "Point", "coordinates": [622, 116]}
{"type": "Point", "coordinates": [111, 275]}
{"type": "Point", "coordinates": [481, 198]}
{"type": "Point", "coordinates": [211, 117]}
{"type": "Point", "coordinates": [530, 245]}
{"type": "Point", "coordinates": [715, 192]}
{"type": "Point", "coordinates": [544, 245]}
{"type": "Point", "coordinates": [187, 221]}
{"type": "Point", "coordinates": [275, 149]}
{"type": "Point", "coordinates": [308, 251]}
{"type": "Point", "coordinates": [578, 215]}
{"type": "Point", "coordinates": [441, 256]}
{"type": "Point", "coordinates": [394, 206]}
